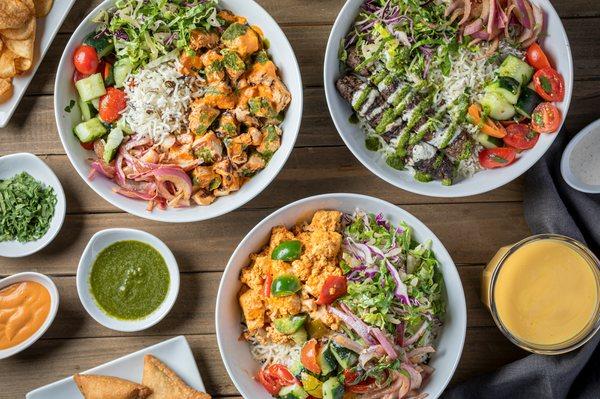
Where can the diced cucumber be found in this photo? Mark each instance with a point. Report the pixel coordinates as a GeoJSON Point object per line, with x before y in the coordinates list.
{"type": "Point", "coordinates": [102, 43]}
{"type": "Point", "coordinates": [345, 357]}
{"type": "Point", "coordinates": [289, 325]}
{"type": "Point", "coordinates": [113, 141]}
{"type": "Point", "coordinates": [517, 69]}
{"type": "Point", "coordinates": [326, 360]}
{"type": "Point", "coordinates": [488, 141]}
{"type": "Point", "coordinates": [333, 389]}
{"type": "Point", "coordinates": [300, 336]}
{"type": "Point", "coordinates": [87, 110]}
{"type": "Point", "coordinates": [91, 87]}
{"type": "Point", "coordinates": [496, 106]}
{"type": "Point", "coordinates": [296, 368]}
{"type": "Point", "coordinates": [506, 86]}
{"type": "Point", "coordinates": [124, 126]}
{"type": "Point", "coordinates": [292, 392]}
{"type": "Point", "coordinates": [527, 102]}
{"type": "Point", "coordinates": [121, 70]}
{"type": "Point", "coordinates": [89, 131]}
{"type": "Point", "coordinates": [95, 103]}
{"type": "Point", "coordinates": [312, 385]}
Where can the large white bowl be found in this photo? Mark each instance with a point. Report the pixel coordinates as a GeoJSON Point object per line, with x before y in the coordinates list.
{"type": "Point", "coordinates": [236, 353]}
{"type": "Point", "coordinates": [283, 56]}
{"type": "Point", "coordinates": [554, 43]}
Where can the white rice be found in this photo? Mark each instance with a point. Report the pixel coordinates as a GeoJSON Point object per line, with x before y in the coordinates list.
{"type": "Point", "coordinates": [158, 99]}
{"type": "Point", "coordinates": [275, 353]}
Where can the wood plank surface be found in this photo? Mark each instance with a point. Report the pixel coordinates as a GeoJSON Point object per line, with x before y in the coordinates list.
{"type": "Point", "coordinates": [471, 228]}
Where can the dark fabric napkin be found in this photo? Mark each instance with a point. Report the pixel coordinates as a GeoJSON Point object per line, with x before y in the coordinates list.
{"type": "Point", "coordinates": [551, 206]}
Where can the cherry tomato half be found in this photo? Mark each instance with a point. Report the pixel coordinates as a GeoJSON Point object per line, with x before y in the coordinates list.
{"type": "Point", "coordinates": [521, 136]}
{"type": "Point", "coordinates": [282, 374]}
{"type": "Point", "coordinates": [537, 58]}
{"type": "Point", "coordinates": [549, 84]}
{"type": "Point", "coordinates": [545, 118]}
{"type": "Point", "coordinates": [269, 382]}
{"type": "Point", "coordinates": [111, 104]}
{"type": "Point", "coordinates": [361, 387]}
{"type": "Point", "coordinates": [308, 356]}
{"type": "Point", "coordinates": [334, 287]}
{"type": "Point", "coordinates": [85, 59]}
{"type": "Point", "coordinates": [491, 158]}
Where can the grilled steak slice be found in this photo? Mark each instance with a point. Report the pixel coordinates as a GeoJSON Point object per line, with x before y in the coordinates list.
{"type": "Point", "coordinates": [439, 167]}
{"type": "Point", "coordinates": [348, 85]}
{"type": "Point", "coordinates": [456, 149]}
{"type": "Point", "coordinates": [354, 60]}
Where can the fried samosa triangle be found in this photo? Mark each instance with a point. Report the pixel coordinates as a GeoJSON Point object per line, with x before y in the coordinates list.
{"type": "Point", "coordinates": [165, 384]}
{"type": "Point", "coordinates": [104, 387]}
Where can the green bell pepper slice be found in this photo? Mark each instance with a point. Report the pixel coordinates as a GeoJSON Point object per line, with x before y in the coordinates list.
{"type": "Point", "coordinates": [285, 285]}
{"type": "Point", "coordinates": [287, 251]}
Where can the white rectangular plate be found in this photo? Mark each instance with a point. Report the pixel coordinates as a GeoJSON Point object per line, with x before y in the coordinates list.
{"type": "Point", "coordinates": [175, 353]}
{"type": "Point", "coordinates": [47, 28]}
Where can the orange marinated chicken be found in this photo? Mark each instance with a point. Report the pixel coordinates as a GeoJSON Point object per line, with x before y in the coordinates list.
{"type": "Point", "coordinates": [320, 243]}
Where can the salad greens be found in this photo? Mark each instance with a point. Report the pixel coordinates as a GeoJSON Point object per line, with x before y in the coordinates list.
{"type": "Point", "coordinates": [26, 208]}
{"type": "Point", "coordinates": [143, 31]}
{"type": "Point", "coordinates": [378, 258]}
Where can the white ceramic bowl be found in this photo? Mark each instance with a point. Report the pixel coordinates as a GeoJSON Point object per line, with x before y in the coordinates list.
{"type": "Point", "coordinates": [565, 164]}
{"type": "Point", "coordinates": [97, 243]}
{"type": "Point", "coordinates": [554, 43]}
{"type": "Point", "coordinates": [236, 353]}
{"type": "Point", "coordinates": [283, 56]}
{"type": "Point", "coordinates": [10, 165]}
{"type": "Point", "coordinates": [54, 299]}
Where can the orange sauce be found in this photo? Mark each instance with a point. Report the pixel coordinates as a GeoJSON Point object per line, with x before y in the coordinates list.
{"type": "Point", "coordinates": [24, 307]}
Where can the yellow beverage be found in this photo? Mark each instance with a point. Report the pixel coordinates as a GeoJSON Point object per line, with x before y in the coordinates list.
{"type": "Point", "coordinates": [544, 293]}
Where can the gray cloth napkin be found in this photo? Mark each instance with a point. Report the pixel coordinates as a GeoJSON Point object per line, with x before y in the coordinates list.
{"type": "Point", "coordinates": [551, 206]}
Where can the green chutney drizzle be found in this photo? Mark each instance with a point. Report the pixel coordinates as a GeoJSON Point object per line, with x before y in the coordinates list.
{"type": "Point", "coordinates": [129, 280]}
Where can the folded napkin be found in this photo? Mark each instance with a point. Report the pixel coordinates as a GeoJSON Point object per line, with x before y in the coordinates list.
{"type": "Point", "coordinates": [551, 206]}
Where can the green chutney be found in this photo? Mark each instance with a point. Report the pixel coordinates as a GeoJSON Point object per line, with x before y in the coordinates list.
{"type": "Point", "coordinates": [129, 280]}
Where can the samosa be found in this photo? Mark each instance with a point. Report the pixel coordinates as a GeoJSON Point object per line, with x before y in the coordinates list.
{"type": "Point", "coordinates": [105, 387]}
{"type": "Point", "coordinates": [165, 384]}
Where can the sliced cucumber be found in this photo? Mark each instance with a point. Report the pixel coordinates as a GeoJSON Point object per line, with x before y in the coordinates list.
{"type": "Point", "coordinates": [300, 336]}
{"type": "Point", "coordinates": [91, 87]}
{"type": "Point", "coordinates": [124, 126]}
{"type": "Point", "coordinates": [121, 70]}
{"type": "Point", "coordinates": [297, 368]}
{"type": "Point", "coordinates": [333, 389]}
{"type": "Point", "coordinates": [496, 106]}
{"type": "Point", "coordinates": [326, 360]}
{"type": "Point", "coordinates": [292, 392]}
{"type": "Point", "coordinates": [87, 110]}
{"type": "Point", "coordinates": [517, 69]}
{"type": "Point", "coordinates": [506, 86]}
{"type": "Point", "coordinates": [113, 141]}
{"type": "Point", "coordinates": [89, 131]}
{"type": "Point", "coordinates": [95, 103]}
{"type": "Point", "coordinates": [345, 357]}
{"type": "Point", "coordinates": [488, 141]}
{"type": "Point", "coordinates": [527, 102]}
{"type": "Point", "coordinates": [102, 43]}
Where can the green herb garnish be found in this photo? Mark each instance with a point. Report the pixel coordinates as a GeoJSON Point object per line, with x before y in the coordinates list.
{"type": "Point", "coordinates": [69, 107]}
{"type": "Point", "coordinates": [26, 208]}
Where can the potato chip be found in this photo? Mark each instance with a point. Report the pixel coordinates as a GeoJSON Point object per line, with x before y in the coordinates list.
{"type": "Point", "coordinates": [22, 48]}
{"type": "Point", "coordinates": [42, 7]}
{"type": "Point", "coordinates": [13, 14]}
{"type": "Point", "coordinates": [23, 64]}
{"type": "Point", "coordinates": [21, 33]}
{"type": "Point", "coordinates": [7, 64]}
{"type": "Point", "coordinates": [6, 90]}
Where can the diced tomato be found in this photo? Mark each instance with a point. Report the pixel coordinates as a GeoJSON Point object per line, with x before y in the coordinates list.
{"type": "Point", "coordinates": [111, 105]}
{"type": "Point", "coordinates": [267, 285]}
{"type": "Point", "coordinates": [361, 387]}
{"type": "Point", "coordinates": [537, 58]}
{"type": "Point", "coordinates": [334, 287]}
{"type": "Point", "coordinates": [88, 146]}
{"type": "Point", "coordinates": [521, 136]}
{"type": "Point", "coordinates": [549, 84]}
{"type": "Point", "coordinates": [85, 59]}
{"type": "Point", "coordinates": [491, 158]}
{"type": "Point", "coordinates": [308, 356]}
{"type": "Point", "coordinates": [545, 118]}
{"type": "Point", "coordinates": [269, 382]}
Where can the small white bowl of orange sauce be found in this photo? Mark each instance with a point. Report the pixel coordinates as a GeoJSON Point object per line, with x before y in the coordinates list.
{"type": "Point", "coordinates": [28, 306]}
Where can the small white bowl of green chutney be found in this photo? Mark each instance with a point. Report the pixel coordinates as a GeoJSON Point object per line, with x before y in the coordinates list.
{"type": "Point", "coordinates": [127, 279]}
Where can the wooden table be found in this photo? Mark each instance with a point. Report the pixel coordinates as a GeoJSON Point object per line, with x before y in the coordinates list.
{"type": "Point", "coordinates": [472, 228]}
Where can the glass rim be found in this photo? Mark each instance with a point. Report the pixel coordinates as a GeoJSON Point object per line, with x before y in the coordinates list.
{"type": "Point", "coordinates": [586, 334]}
